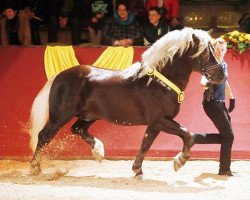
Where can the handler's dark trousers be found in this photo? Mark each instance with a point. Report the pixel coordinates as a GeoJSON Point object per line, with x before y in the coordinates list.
{"type": "Point", "coordinates": [218, 113]}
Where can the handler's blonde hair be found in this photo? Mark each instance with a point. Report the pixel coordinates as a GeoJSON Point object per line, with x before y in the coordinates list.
{"type": "Point", "coordinates": [220, 41]}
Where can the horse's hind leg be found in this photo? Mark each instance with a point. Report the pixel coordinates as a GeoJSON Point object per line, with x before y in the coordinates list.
{"type": "Point", "coordinates": [80, 127]}
{"type": "Point", "coordinates": [147, 141]}
{"type": "Point", "coordinates": [44, 137]}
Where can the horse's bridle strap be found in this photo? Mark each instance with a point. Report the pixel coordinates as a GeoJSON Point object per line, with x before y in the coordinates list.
{"type": "Point", "coordinates": [165, 82]}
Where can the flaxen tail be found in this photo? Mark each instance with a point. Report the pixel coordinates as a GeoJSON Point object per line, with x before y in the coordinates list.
{"type": "Point", "coordinates": [39, 113]}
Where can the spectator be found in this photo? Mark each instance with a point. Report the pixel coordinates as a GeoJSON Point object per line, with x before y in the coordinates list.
{"type": "Point", "coordinates": [155, 27]}
{"type": "Point", "coordinates": [123, 29]}
{"type": "Point", "coordinates": [35, 9]}
{"type": "Point", "coordinates": [15, 27]}
{"type": "Point", "coordinates": [73, 13]}
{"type": "Point", "coordinates": [100, 10]}
{"type": "Point", "coordinates": [170, 9]}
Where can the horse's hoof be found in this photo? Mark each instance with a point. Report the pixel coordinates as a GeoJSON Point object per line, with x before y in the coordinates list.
{"type": "Point", "coordinates": [35, 170]}
{"type": "Point", "coordinates": [98, 150]}
{"type": "Point", "coordinates": [97, 156]}
{"type": "Point", "coordinates": [138, 176]}
{"type": "Point", "coordinates": [177, 165]}
{"type": "Point", "coordinates": [179, 161]}
{"type": "Point", "coordinates": [138, 172]}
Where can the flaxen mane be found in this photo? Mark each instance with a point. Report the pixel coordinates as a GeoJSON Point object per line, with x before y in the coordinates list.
{"type": "Point", "coordinates": [178, 41]}
{"type": "Point", "coordinates": [156, 57]}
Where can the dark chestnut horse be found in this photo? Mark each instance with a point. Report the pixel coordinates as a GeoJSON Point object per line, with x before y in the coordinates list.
{"type": "Point", "coordinates": [147, 93]}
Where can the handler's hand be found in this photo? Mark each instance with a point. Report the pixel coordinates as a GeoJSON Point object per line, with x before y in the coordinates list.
{"type": "Point", "coordinates": [231, 105]}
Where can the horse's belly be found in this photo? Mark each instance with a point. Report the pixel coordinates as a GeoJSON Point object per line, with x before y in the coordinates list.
{"type": "Point", "coordinates": [128, 104]}
{"type": "Point", "coordinates": [129, 113]}
{"type": "Point", "coordinates": [116, 116]}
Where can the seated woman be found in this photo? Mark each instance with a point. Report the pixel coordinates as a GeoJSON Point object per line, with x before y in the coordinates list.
{"type": "Point", "coordinates": [15, 27]}
{"type": "Point", "coordinates": [123, 29]}
{"type": "Point", "coordinates": [155, 27]}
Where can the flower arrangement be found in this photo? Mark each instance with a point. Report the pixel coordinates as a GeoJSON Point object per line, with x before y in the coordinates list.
{"type": "Point", "coordinates": [237, 41]}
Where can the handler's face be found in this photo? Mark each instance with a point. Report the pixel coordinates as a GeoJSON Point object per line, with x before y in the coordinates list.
{"type": "Point", "coordinates": [220, 50]}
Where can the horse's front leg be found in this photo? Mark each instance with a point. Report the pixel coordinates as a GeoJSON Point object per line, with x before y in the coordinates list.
{"type": "Point", "coordinates": [80, 127]}
{"type": "Point", "coordinates": [147, 141]}
{"type": "Point", "coordinates": [172, 127]}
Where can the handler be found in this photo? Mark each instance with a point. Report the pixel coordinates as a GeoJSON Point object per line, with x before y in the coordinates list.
{"type": "Point", "coordinates": [214, 107]}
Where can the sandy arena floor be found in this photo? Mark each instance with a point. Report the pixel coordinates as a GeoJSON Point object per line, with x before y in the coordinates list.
{"type": "Point", "coordinates": [113, 180]}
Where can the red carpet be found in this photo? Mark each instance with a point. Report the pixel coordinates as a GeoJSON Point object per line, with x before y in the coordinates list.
{"type": "Point", "coordinates": [22, 76]}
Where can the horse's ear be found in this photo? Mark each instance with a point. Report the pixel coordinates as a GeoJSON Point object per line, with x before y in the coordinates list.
{"type": "Point", "coordinates": [195, 39]}
{"type": "Point", "coordinates": [210, 31]}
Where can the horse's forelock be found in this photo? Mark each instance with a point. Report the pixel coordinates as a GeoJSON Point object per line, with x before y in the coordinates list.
{"type": "Point", "coordinates": [178, 41]}
{"type": "Point", "coordinates": [204, 38]}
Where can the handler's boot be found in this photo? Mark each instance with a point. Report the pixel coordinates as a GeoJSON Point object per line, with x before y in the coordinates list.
{"type": "Point", "coordinates": [192, 141]}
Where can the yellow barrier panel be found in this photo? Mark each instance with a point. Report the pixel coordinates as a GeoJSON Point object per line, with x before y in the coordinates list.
{"type": "Point", "coordinates": [115, 58]}
{"type": "Point", "coordinates": [59, 58]}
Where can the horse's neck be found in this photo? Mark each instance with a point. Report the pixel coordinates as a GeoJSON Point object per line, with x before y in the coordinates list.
{"type": "Point", "coordinates": [179, 73]}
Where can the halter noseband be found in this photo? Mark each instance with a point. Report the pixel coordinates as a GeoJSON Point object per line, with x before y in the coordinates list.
{"type": "Point", "coordinates": [204, 70]}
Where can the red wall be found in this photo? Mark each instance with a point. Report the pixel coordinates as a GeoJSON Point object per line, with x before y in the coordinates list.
{"type": "Point", "coordinates": [22, 75]}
